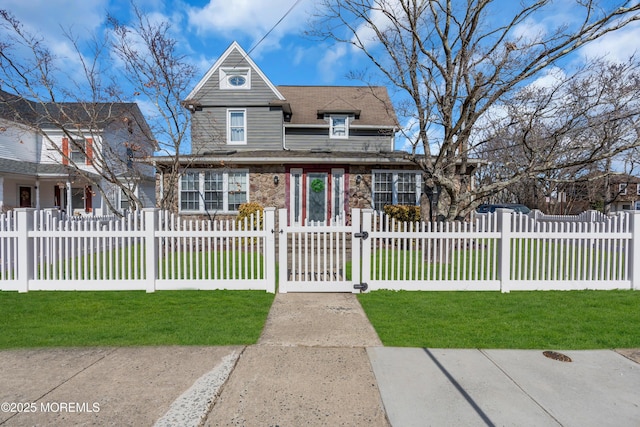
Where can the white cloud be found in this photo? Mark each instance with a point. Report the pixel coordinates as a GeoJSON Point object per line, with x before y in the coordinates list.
{"type": "Point", "coordinates": [618, 46]}
{"type": "Point", "coordinates": [331, 62]}
{"type": "Point", "coordinates": [49, 17]}
{"type": "Point", "coordinates": [550, 77]}
{"type": "Point", "coordinates": [248, 17]}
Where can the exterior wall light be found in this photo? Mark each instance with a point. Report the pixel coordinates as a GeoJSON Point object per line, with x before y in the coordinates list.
{"type": "Point", "coordinates": [276, 180]}
{"type": "Point", "coordinates": [358, 179]}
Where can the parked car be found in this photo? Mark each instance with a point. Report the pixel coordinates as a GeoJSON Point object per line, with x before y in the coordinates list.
{"type": "Point", "coordinates": [487, 208]}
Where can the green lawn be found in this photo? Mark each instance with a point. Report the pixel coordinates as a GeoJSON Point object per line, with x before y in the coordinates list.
{"type": "Point", "coordinates": [518, 320]}
{"type": "Point", "coordinates": [128, 318]}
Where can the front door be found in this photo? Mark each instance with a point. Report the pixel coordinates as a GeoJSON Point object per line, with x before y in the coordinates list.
{"type": "Point", "coordinates": [316, 195]}
{"type": "Point", "coordinates": [25, 197]}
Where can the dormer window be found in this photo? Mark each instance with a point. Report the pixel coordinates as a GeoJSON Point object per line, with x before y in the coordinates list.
{"type": "Point", "coordinates": [235, 78]}
{"type": "Point", "coordinates": [339, 126]}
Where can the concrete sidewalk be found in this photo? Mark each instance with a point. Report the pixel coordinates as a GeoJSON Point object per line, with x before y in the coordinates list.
{"type": "Point", "coordinates": [318, 363]}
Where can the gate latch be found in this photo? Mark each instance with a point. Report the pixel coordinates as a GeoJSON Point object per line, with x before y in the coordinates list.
{"type": "Point", "coordinates": [361, 286]}
{"type": "Point", "coordinates": [361, 235]}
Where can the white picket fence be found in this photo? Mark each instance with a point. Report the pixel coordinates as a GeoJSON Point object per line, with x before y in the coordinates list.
{"type": "Point", "coordinates": [149, 251]}
{"type": "Point", "coordinates": [503, 251]}
{"type": "Point", "coordinates": [155, 250]}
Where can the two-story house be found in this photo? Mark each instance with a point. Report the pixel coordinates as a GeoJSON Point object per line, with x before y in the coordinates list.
{"type": "Point", "coordinates": [316, 150]}
{"type": "Point", "coordinates": [54, 155]}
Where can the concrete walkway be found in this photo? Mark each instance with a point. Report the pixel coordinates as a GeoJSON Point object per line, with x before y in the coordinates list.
{"type": "Point", "coordinates": [318, 363]}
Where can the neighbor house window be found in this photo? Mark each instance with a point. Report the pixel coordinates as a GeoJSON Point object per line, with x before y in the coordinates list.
{"type": "Point", "coordinates": [622, 189]}
{"type": "Point", "coordinates": [77, 150]}
{"type": "Point", "coordinates": [205, 191]}
{"type": "Point", "coordinates": [125, 201]}
{"type": "Point", "coordinates": [338, 126]}
{"type": "Point", "coordinates": [236, 126]}
{"type": "Point", "coordinates": [395, 188]}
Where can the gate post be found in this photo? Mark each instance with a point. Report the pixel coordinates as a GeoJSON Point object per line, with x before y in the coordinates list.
{"type": "Point", "coordinates": [355, 248]}
{"type": "Point", "coordinates": [283, 265]}
{"type": "Point", "coordinates": [367, 226]}
{"type": "Point", "coordinates": [269, 230]}
{"type": "Point", "coordinates": [25, 248]}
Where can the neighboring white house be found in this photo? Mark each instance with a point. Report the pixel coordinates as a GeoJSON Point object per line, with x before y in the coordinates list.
{"type": "Point", "coordinates": [51, 155]}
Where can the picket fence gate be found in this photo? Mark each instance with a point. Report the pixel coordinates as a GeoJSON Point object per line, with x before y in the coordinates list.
{"type": "Point", "coordinates": [156, 250]}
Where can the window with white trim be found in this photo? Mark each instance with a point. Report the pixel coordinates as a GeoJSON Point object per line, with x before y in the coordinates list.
{"type": "Point", "coordinates": [236, 127]}
{"type": "Point", "coordinates": [208, 191]}
{"type": "Point", "coordinates": [395, 188]}
{"type": "Point", "coordinates": [77, 149]}
{"type": "Point", "coordinates": [622, 189]}
{"type": "Point", "coordinates": [235, 78]}
{"type": "Point", "coordinates": [125, 201]}
{"type": "Point", "coordinates": [339, 126]}
{"type": "Point", "coordinates": [337, 193]}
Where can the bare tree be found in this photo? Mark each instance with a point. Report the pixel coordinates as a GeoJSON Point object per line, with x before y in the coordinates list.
{"type": "Point", "coordinates": [158, 72]}
{"type": "Point", "coordinates": [454, 64]}
{"type": "Point", "coordinates": [133, 62]}
{"type": "Point", "coordinates": [571, 131]}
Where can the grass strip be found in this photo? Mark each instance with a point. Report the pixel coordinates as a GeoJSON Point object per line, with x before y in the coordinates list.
{"type": "Point", "coordinates": [570, 320]}
{"type": "Point", "coordinates": [132, 318]}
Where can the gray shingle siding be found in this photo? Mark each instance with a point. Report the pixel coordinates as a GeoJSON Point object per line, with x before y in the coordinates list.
{"type": "Point", "coordinates": [360, 140]}
{"type": "Point", "coordinates": [264, 129]}
{"type": "Point", "coordinates": [259, 94]}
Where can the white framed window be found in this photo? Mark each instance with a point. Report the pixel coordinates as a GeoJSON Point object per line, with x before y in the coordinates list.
{"type": "Point", "coordinates": [638, 189]}
{"type": "Point", "coordinates": [339, 126]}
{"type": "Point", "coordinates": [219, 191]}
{"type": "Point", "coordinates": [395, 188]}
{"type": "Point", "coordinates": [236, 126]}
{"type": "Point", "coordinates": [77, 150]}
{"type": "Point", "coordinates": [235, 78]}
{"type": "Point", "coordinates": [622, 189]}
{"type": "Point", "coordinates": [337, 193]}
{"type": "Point", "coordinates": [124, 201]}
{"type": "Point", "coordinates": [295, 196]}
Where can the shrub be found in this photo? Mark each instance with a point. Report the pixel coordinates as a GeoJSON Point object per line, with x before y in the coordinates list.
{"type": "Point", "coordinates": [403, 213]}
{"type": "Point", "coordinates": [246, 210]}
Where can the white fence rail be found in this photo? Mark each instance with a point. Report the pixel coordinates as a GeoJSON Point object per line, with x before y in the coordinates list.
{"type": "Point", "coordinates": [149, 250]}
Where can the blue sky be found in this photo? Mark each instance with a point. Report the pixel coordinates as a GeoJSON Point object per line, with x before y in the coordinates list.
{"type": "Point", "coordinates": [205, 28]}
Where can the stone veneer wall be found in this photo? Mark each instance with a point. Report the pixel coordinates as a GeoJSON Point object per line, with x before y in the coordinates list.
{"type": "Point", "coordinates": [261, 187]}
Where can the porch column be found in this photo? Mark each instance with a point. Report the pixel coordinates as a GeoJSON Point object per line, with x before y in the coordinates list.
{"type": "Point", "coordinates": [69, 207]}
{"type": "Point", "coordinates": [37, 194]}
{"type": "Point", "coordinates": [1, 193]}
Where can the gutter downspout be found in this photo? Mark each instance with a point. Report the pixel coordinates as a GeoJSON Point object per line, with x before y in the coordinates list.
{"type": "Point", "coordinates": [284, 138]}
